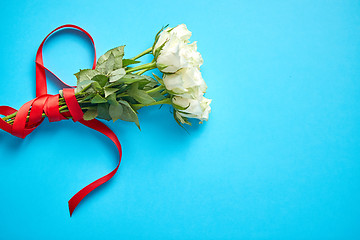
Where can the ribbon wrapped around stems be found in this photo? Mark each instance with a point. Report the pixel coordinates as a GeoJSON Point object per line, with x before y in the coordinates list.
{"type": "Point", "coordinates": [44, 103]}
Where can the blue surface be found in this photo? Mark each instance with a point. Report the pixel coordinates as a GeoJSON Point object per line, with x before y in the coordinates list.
{"type": "Point", "coordinates": [278, 159]}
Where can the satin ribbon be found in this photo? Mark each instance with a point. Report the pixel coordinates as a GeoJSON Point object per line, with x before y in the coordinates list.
{"type": "Point", "coordinates": [49, 104]}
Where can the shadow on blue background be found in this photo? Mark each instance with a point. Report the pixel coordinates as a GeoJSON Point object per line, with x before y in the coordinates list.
{"type": "Point", "coordinates": [278, 159]}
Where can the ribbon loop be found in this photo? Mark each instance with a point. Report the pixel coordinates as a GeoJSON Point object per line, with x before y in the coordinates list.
{"type": "Point", "coordinates": [41, 87]}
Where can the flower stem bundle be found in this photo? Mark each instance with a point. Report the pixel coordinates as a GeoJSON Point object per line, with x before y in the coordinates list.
{"type": "Point", "coordinates": [118, 87]}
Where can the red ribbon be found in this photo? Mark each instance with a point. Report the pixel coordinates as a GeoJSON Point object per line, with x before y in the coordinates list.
{"type": "Point", "coordinates": [49, 104]}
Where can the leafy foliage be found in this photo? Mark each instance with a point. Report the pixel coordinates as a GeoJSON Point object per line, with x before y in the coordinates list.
{"type": "Point", "coordinates": [113, 93]}
{"type": "Point", "coordinates": [111, 60]}
{"type": "Point", "coordinates": [127, 62]}
{"type": "Point", "coordinates": [140, 95]}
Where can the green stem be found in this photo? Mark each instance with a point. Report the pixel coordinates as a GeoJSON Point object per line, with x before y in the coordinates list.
{"type": "Point", "coordinates": [80, 98]}
{"type": "Point", "coordinates": [85, 88]}
{"type": "Point", "coordinates": [148, 66]}
{"type": "Point", "coordinates": [158, 88]}
{"type": "Point", "coordinates": [145, 70]}
{"type": "Point", "coordinates": [164, 101]}
{"type": "Point", "coordinates": [9, 116]}
{"type": "Point", "coordinates": [142, 54]}
{"type": "Point", "coordinates": [142, 71]}
{"type": "Point", "coordinates": [61, 110]}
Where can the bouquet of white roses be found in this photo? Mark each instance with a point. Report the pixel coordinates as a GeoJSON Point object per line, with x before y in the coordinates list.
{"type": "Point", "coordinates": [118, 87]}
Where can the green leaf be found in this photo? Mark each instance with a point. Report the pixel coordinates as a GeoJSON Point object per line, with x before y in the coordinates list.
{"type": "Point", "coordinates": [142, 84]}
{"type": "Point", "coordinates": [161, 66]}
{"type": "Point", "coordinates": [102, 68]}
{"type": "Point", "coordinates": [103, 111]}
{"type": "Point", "coordinates": [157, 96]}
{"type": "Point", "coordinates": [131, 78]}
{"type": "Point", "coordinates": [158, 79]}
{"type": "Point", "coordinates": [150, 79]}
{"type": "Point", "coordinates": [181, 120]}
{"type": "Point", "coordinates": [140, 95]}
{"type": "Point", "coordinates": [129, 114]}
{"type": "Point", "coordinates": [128, 79]}
{"type": "Point", "coordinates": [117, 74]}
{"type": "Point", "coordinates": [179, 107]}
{"type": "Point", "coordinates": [86, 74]}
{"type": "Point", "coordinates": [90, 96]}
{"type": "Point", "coordinates": [84, 84]}
{"type": "Point", "coordinates": [118, 54]}
{"type": "Point", "coordinates": [143, 97]}
{"type": "Point", "coordinates": [108, 66]}
{"type": "Point", "coordinates": [101, 79]}
{"type": "Point", "coordinates": [157, 36]}
{"type": "Point", "coordinates": [158, 50]}
{"type": "Point", "coordinates": [112, 99]}
{"type": "Point", "coordinates": [171, 92]}
{"type": "Point", "coordinates": [135, 107]}
{"type": "Point", "coordinates": [158, 33]}
{"type": "Point", "coordinates": [127, 62]}
{"type": "Point", "coordinates": [116, 111]}
{"type": "Point", "coordinates": [109, 91]}
{"type": "Point", "coordinates": [90, 114]}
{"type": "Point", "coordinates": [150, 84]}
{"type": "Point", "coordinates": [98, 99]}
{"type": "Point", "coordinates": [96, 86]}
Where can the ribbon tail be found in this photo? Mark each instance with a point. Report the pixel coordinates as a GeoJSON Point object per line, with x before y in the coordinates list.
{"type": "Point", "coordinates": [102, 128]}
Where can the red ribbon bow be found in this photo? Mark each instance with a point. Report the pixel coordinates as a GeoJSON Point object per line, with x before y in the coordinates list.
{"type": "Point", "coordinates": [49, 104]}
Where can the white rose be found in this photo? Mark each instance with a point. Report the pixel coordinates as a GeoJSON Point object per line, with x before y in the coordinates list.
{"type": "Point", "coordinates": [180, 32]}
{"type": "Point", "coordinates": [186, 81]}
{"type": "Point", "coordinates": [195, 108]}
{"type": "Point", "coordinates": [189, 56]}
{"type": "Point", "coordinates": [177, 53]}
{"type": "Point", "coordinates": [170, 55]}
{"type": "Point", "coordinates": [163, 37]}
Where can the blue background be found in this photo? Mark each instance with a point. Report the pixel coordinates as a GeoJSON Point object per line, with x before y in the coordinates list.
{"type": "Point", "coordinates": [278, 159]}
